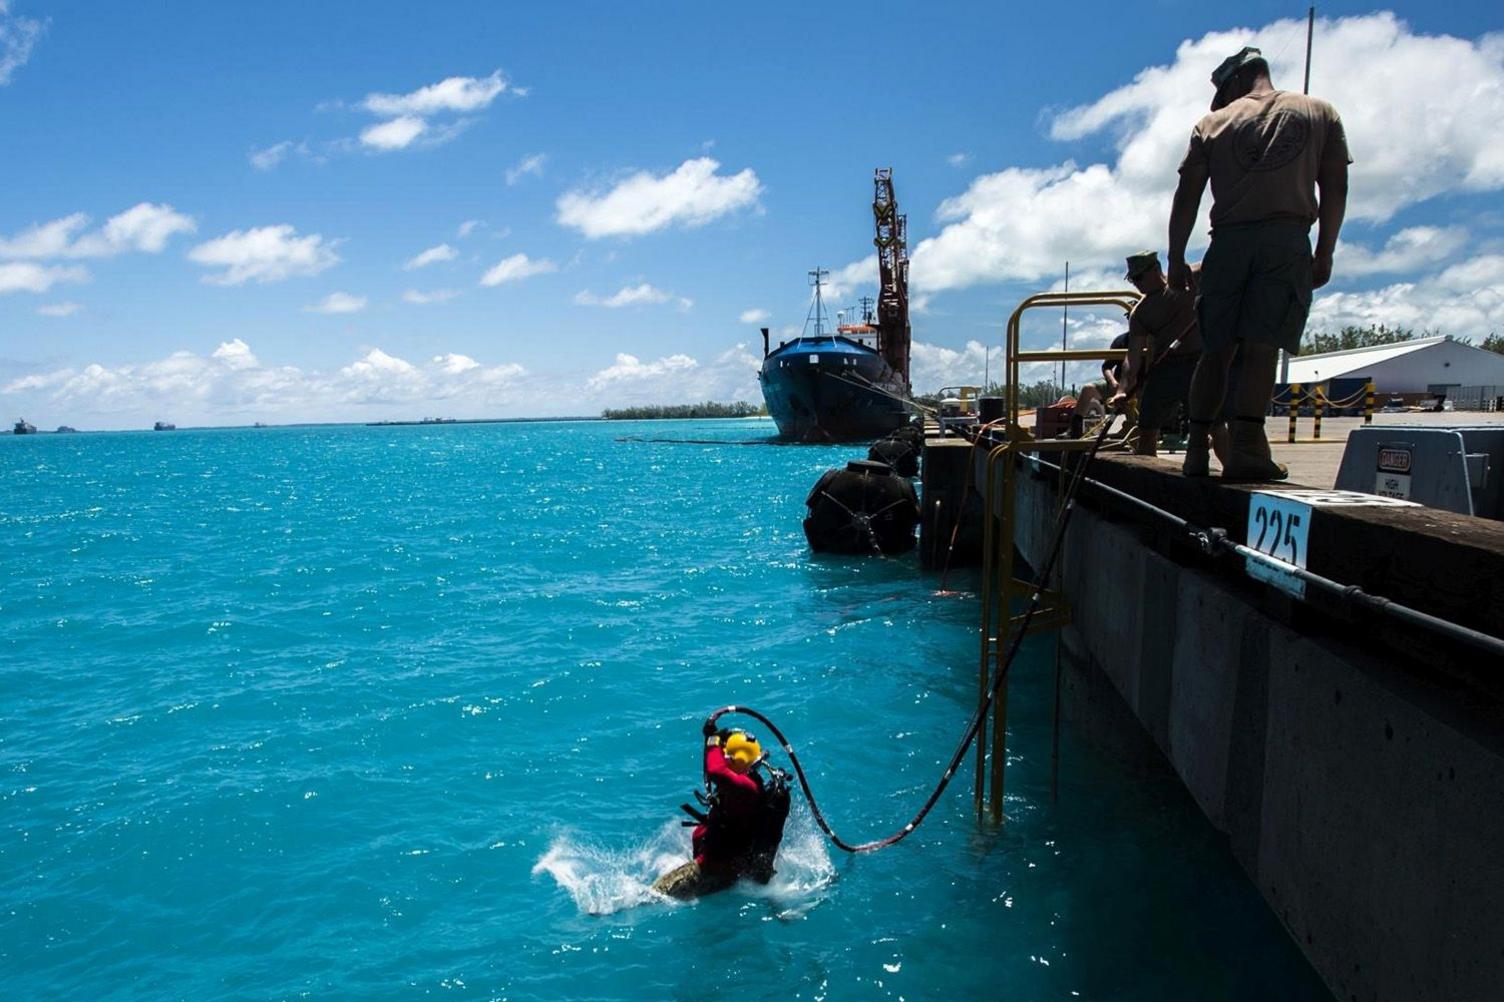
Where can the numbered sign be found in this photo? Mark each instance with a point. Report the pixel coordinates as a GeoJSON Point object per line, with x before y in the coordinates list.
{"type": "Point", "coordinates": [1278, 527]}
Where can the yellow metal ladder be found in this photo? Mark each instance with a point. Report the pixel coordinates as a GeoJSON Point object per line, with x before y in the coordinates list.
{"type": "Point", "coordinates": [1000, 583]}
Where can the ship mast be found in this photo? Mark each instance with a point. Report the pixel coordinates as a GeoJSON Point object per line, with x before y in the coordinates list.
{"type": "Point", "coordinates": [817, 304]}
{"type": "Point", "coordinates": [893, 272]}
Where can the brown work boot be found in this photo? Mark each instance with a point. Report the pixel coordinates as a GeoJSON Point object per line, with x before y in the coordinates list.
{"type": "Point", "coordinates": [1250, 460]}
{"type": "Point", "coordinates": [1198, 451]}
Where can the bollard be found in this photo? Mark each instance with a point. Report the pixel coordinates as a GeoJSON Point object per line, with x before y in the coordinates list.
{"type": "Point", "coordinates": [1368, 404]}
{"type": "Point", "coordinates": [1294, 407]}
{"type": "Point", "coordinates": [1319, 404]}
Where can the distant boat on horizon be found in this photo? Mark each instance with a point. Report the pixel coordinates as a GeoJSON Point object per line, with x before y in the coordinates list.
{"type": "Point", "coordinates": [23, 427]}
{"type": "Point", "coordinates": [164, 426]}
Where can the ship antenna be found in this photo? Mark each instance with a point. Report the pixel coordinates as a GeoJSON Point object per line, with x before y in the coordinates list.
{"type": "Point", "coordinates": [817, 304]}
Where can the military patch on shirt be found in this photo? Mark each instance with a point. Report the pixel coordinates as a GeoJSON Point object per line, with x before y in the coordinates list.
{"type": "Point", "coordinates": [1271, 140]}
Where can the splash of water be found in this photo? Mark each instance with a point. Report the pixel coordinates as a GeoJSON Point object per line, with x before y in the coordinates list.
{"type": "Point", "coordinates": [602, 880]}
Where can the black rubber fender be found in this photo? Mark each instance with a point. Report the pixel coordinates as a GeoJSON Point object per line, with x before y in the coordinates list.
{"type": "Point", "coordinates": [864, 508]}
{"type": "Point", "coordinates": [900, 454]}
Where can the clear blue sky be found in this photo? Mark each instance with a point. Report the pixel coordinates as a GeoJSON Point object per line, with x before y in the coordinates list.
{"type": "Point", "coordinates": [109, 106]}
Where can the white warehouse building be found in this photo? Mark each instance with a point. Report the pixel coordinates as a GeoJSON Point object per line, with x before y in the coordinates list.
{"type": "Point", "coordinates": [1434, 365]}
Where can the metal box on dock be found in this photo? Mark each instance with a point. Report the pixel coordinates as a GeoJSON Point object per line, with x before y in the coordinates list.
{"type": "Point", "coordinates": [1458, 469]}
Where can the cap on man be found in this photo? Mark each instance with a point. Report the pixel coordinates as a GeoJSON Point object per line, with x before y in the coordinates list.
{"type": "Point", "coordinates": [1267, 153]}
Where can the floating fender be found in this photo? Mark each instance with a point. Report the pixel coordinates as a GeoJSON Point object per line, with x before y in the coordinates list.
{"type": "Point", "coordinates": [899, 453]}
{"type": "Point", "coordinates": [911, 432]}
{"type": "Point", "coordinates": [864, 508]}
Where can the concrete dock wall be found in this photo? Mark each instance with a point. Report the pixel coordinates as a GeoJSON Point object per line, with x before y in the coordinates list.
{"type": "Point", "coordinates": [1364, 798]}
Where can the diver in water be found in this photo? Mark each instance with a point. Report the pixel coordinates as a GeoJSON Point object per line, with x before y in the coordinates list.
{"type": "Point", "coordinates": [740, 834]}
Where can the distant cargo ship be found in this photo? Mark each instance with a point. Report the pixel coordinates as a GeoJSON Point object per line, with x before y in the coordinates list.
{"type": "Point", "coordinates": [23, 427]}
{"type": "Point", "coordinates": [164, 426]}
{"type": "Point", "coordinates": [852, 382]}
{"type": "Point", "coordinates": [831, 386]}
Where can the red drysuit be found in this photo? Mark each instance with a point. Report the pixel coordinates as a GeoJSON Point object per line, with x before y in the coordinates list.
{"type": "Point", "coordinates": [732, 818]}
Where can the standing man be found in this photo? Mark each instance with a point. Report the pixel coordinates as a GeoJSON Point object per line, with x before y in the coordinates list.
{"type": "Point", "coordinates": [1266, 152]}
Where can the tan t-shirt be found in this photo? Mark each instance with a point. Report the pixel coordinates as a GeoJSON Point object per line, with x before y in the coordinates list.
{"type": "Point", "coordinates": [1263, 154]}
{"type": "Point", "coordinates": [1162, 317]}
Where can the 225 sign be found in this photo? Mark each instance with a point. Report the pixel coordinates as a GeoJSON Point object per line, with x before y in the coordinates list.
{"type": "Point", "coordinates": [1281, 534]}
{"type": "Point", "coordinates": [1278, 527]}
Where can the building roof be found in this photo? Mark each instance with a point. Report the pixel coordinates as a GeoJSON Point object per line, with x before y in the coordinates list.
{"type": "Point", "coordinates": [1335, 364]}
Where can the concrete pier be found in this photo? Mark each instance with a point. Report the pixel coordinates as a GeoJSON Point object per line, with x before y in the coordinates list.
{"type": "Point", "coordinates": [948, 493]}
{"type": "Point", "coordinates": [1355, 765]}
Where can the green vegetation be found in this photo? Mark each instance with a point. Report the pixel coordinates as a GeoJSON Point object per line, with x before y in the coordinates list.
{"type": "Point", "coordinates": [709, 409]}
{"type": "Point", "coordinates": [1317, 342]}
{"type": "Point", "coordinates": [1032, 394]}
{"type": "Point", "coordinates": [1045, 391]}
{"type": "Point", "coordinates": [1376, 334]}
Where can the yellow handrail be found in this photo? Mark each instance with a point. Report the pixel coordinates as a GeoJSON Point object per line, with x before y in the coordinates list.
{"type": "Point", "coordinates": [999, 585]}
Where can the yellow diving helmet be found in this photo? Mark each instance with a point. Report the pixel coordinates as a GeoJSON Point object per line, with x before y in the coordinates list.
{"type": "Point", "coordinates": [742, 750]}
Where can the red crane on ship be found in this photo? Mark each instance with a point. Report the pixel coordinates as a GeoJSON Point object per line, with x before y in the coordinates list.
{"type": "Point", "coordinates": [892, 242]}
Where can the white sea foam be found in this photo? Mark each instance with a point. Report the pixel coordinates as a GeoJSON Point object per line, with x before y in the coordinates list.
{"type": "Point", "coordinates": [603, 880]}
{"type": "Point", "coordinates": [803, 868]}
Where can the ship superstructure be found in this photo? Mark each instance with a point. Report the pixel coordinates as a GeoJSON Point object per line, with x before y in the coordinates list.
{"type": "Point", "coordinates": [849, 382]}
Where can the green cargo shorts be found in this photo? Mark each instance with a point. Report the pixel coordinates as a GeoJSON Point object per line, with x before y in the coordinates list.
{"type": "Point", "coordinates": [1256, 285]}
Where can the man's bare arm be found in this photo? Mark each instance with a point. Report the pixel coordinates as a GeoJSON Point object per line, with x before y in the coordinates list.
{"type": "Point", "coordinates": [1137, 343]}
{"type": "Point", "coordinates": [1331, 183]}
{"type": "Point", "coordinates": [1183, 212]}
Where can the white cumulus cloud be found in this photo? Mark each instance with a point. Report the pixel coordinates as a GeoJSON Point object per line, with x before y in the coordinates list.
{"type": "Point", "coordinates": [264, 254]}
{"type": "Point", "coordinates": [516, 268]}
{"type": "Point", "coordinates": [145, 227]}
{"type": "Point", "coordinates": [693, 194]}
{"type": "Point", "coordinates": [27, 276]}
{"type": "Point", "coordinates": [232, 384]}
{"type": "Point", "coordinates": [754, 316]}
{"type": "Point", "coordinates": [677, 378]}
{"type": "Point", "coordinates": [1022, 223]}
{"type": "Point", "coordinates": [408, 120]}
{"type": "Point", "coordinates": [433, 255]}
{"type": "Point", "coordinates": [17, 36]}
{"type": "Point", "coordinates": [632, 295]}
{"type": "Point", "coordinates": [631, 368]}
{"type": "Point", "coordinates": [454, 94]}
{"type": "Point", "coordinates": [1408, 250]}
{"type": "Point", "coordinates": [397, 134]}
{"type": "Point", "coordinates": [338, 302]}
{"type": "Point", "coordinates": [1465, 299]}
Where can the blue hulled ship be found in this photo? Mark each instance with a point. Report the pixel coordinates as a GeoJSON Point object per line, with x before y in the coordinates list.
{"type": "Point", "coordinates": [849, 382]}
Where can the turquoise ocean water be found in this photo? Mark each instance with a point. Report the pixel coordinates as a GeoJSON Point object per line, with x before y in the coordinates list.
{"type": "Point", "coordinates": [407, 712]}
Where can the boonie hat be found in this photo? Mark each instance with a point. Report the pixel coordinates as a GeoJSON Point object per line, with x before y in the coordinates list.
{"type": "Point", "coordinates": [1232, 64]}
{"type": "Point", "coordinates": [1141, 262]}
